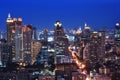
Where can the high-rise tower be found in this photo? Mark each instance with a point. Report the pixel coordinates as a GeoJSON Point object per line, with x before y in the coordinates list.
{"type": "Point", "coordinates": [63, 61]}
{"type": "Point", "coordinates": [117, 37]}
{"type": "Point", "coordinates": [15, 37]}
{"type": "Point", "coordinates": [18, 39]}
{"type": "Point", "coordinates": [117, 34]}
{"type": "Point", "coordinates": [10, 29]}
{"type": "Point", "coordinates": [87, 33]}
{"type": "Point", "coordinates": [61, 43]}
{"type": "Point", "coordinates": [27, 38]}
{"type": "Point", "coordinates": [11, 34]}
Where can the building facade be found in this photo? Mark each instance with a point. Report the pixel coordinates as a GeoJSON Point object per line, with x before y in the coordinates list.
{"type": "Point", "coordinates": [5, 53]}
{"type": "Point", "coordinates": [117, 38]}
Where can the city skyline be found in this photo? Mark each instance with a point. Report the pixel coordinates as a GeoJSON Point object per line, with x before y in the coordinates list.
{"type": "Point", "coordinates": [72, 14]}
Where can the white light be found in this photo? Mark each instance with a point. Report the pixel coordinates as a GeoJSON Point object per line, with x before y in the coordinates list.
{"type": "Point", "coordinates": [88, 78]}
{"type": "Point", "coordinates": [50, 39]}
{"type": "Point", "coordinates": [107, 37]}
{"type": "Point", "coordinates": [9, 15]}
{"type": "Point", "coordinates": [100, 34]}
{"type": "Point", "coordinates": [85, 24]}
{"type": "Point", "coordinates": [117, 24]}
{"type": "Point", "coordinates": [58, 24]}
{"type": "Point", "coordinates": [87, 27]}
{"type": "Point", "coordinates": [55, 24]}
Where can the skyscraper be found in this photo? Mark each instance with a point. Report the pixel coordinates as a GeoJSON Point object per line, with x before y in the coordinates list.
{"type": "Point", "coordinates": [117, 37]}
{"type": "Point", "coordinates": [63, 61]}
{"type": "Point", "coordinates": [61, 43]}
{"type": "Point", "coordinates": [35, 49]}
{"type": "Point", "coordinates": [18, 39]}
{"type": "Point", "coordinates": [27, 38]}
{"type": "Point", "coordinates": [101, 48]}
{"type": "Point", "coordinates": [11, 35]}
{"type": "Point", "coordinates": [87, 33]}
{"type": "Point", "coordinates": [84, 39]}
{"type": "Point", "coordinates": [14, 37]}
{"type": "Point", "coordinates": [10, 29]}
{"type": "Point", "coordinates": [97, 45]}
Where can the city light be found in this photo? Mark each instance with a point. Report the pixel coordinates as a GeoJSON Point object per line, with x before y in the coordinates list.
{"type": "Point", "coordinates": [95, 32]}
{"type": "Point", "coordinates": [58, 24]}
{"type": "Point", "coordinates": [79, 64]}
{"type": "Point", "coordinates": [88, 78]}
{"type": "Point", "coordinates": [117, 24]}
{"type": "Point", "coordinates": [59, 53]}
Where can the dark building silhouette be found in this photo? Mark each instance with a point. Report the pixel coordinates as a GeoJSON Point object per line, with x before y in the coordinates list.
{"type": "Point", "coordinates": [5, 53]}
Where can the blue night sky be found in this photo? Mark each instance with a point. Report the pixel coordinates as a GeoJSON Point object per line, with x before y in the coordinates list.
{"type": "Point", "coordinates": [72, 13]}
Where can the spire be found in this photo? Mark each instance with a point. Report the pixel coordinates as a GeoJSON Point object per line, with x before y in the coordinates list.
{"type": "Point", "coordinates": [9, 19]}
{"type": "Point", "coordinates": [85, 24]}
{"type": "Point", "coordinates": [9, 16]}
{"type": "Point", "coordinates": [79, 31]}
{"type": "Point", "coordinates": [80, 28]}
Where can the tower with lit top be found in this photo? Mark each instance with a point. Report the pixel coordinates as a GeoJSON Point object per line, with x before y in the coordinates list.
{"type": "Point", "coordinates": [117, 34]}
{"type": "Point", "coordinates": [14, 37]}
{"type": "Point", "coordinates": [60, 41]}
{"type": "Point", "coordinates": [87, 32]}
{"type": "Point", "coordinates": [11, 34]}
{"type": "Point", "coordinates": [63, 64]}
{"type": "Point", "coordinates": [117, 37]}
{"type": "Point", "coordinates": [10, 29]}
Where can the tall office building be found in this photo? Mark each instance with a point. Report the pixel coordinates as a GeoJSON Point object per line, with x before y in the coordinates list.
{"type": "Point", "coordinates": [109, 39]}
{"type": "Point", "coordinates": [10, 29]}
{"type": "Point", "coordinates": [35, 49]}
{"type": "Point", "coordinates": [14, 37]}
{"type": "Point", "coordinates": [42, 57]}
{"type": "Point", "coordinates": [94, 44]}
{"type": "Point", "coordinates": [87, 33]}
{"type": "Point", "coordinates": [11, 35]}
{"type": "Point", "coordinates": [93, 48]}
{"type": "Point", "coordinates": [84, 42]}
{"type": "Point", "coordinates": [61, 43]}
{"type": "Point", "coordinates": [78, 37]}
{"type": "Point", "coordinates": [78, 42]}
{"type": "Point", "coordinates": [101, 40]}
{"type": "Point", "coordinates": [97, 45]}
{"type": "Point", "coordinates": [27, 38]}
{"type": "Point", "coordinates": [18, 39]}
{"type": "Point", "coordinates": [63, 62]}
{"type": "Point", "coordinates": [117, 37]}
